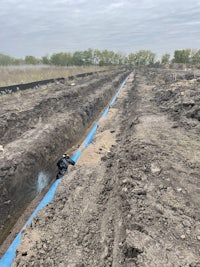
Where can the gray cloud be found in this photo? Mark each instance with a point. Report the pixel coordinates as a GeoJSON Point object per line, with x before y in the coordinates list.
{"type": "Point", "coordinates": [38, 27]}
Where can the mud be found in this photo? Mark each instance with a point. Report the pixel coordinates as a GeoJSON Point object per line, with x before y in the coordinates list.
{"type": "Point", "coordinates": [37, 126]}
{"type": "Point", "coordinates": [137, 203]}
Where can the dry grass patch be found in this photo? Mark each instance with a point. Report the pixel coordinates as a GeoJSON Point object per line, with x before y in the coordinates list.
{"type": "Point", "coordinates": [25, 74]}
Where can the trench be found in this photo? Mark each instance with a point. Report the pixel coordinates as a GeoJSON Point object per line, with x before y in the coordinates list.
{"type": "Point", "coordinates": [40, 171]}
{"type": "Point", "coordinates": [9, 256]}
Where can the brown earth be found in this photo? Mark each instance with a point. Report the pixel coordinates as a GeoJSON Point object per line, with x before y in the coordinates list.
{"type": "Point", "coordinates": [36, 127]}
{"type": "Point", "coordinates": [133, 198]}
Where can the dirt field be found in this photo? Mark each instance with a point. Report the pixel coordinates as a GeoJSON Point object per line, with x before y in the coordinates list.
{"type": "Point", "coordinates": [36, 127]}
{"type": "Point", "coordinates": [133, 198]}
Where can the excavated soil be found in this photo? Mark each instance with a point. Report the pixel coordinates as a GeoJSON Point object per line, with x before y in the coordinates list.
{"type": "Point", "coordinates": [133, 198]}
{"type": "Point", "coordinates": [36, 127]}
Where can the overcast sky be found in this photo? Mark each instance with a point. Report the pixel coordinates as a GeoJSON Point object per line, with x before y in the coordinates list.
{"type": "Point", "coordinates": [40, 27]}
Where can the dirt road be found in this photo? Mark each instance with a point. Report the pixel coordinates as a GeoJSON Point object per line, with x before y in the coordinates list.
{"type": "Point", "coordinates": [133, 198]}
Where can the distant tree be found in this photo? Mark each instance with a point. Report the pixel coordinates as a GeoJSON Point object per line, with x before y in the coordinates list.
{"type": "Point", "coordinates": [77, 58]}
{"type": "Point", "coordinates": [6, 60]}
{"type": "Point", "coordinates": [96, 57]}
{"type": "Point", "coordinates": [165, 58]}
{"type": "Point", "coordinates": [142, 58]}
{"type": "Point", "coordinates": [31, 60]}
{"type": "Point", "coordinates": [18, 61]}
{"type": "Point", "coordinates": [88, 57]}
{"type": "Point", "coordinates": [102, 57]}
{"type": "Point", "coordinates": [45, 60]}
{"type": "Point", "coordinates": [131, 59]}
{"type": "Point", "coordinates": [157, 64]}
{"type": "Point", "coordinates": [105, 59]}
{"type": "Point", "coordinates": [195, 57]}
{"type": "Point", "coordinates": [119, 58]}
{"type": "Point", "coordinates": [61, 59]}
{"type": "Point", "coordinates": [182, 56]}
{"type": "Point", "coordinates": [151, 58]}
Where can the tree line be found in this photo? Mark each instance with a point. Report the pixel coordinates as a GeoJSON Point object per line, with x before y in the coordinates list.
{"type": "Point", "coordinates": [105, 58]}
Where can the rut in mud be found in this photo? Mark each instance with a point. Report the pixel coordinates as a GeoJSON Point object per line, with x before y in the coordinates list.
{"type": "Point", "coordinates": [37, 127]}
{"type": "Point", "coordinates": [132, 200]}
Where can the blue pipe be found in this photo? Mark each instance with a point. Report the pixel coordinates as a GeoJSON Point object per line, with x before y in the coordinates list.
{"type": "Point", "coordinates": [8, 257]}
{"type": "Point", "coordinates": [88, 139]}
{"type": "Point", "coordinates": [75, 157]}
{"type": "Point", "coordinates": [105, 112]}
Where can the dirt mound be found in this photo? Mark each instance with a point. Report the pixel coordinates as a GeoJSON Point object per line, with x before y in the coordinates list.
{"type": "Point", "coordinates": [136, 205]}
{"type": "Point", "coordinates": [181, 100]}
